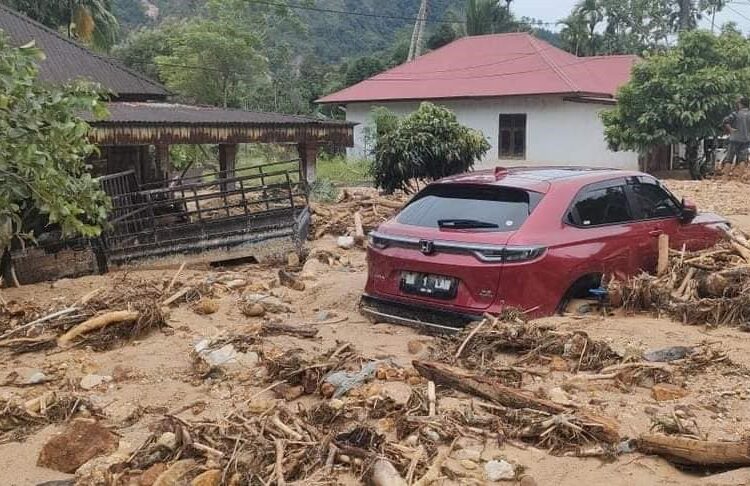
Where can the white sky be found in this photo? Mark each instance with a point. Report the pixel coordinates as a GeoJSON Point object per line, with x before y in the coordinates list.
{"type": "Point", "coordinates": [553, 10]}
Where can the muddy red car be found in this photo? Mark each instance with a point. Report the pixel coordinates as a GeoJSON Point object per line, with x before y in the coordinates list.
{"type": "Point", "coordinates": [529, 238]}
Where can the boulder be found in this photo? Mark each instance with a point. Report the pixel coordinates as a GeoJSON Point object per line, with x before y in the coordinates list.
{"type": "Point", "coordinates": [499, 471]}
{"type": "Point", "coordinates": [78, 443]}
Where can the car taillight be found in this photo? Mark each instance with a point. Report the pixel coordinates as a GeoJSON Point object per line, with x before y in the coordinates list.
{"type": "Point", "coordinates": [509, 254]}
{"type": "Point", "coordinates": [522, 253]}
{"type": "Point", "coordinates": [376, 241]}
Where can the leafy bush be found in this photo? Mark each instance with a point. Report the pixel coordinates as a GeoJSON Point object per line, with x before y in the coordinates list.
{"type": "Point", "coordinates": [43, 151]}
{"type": "Point", "coordinates": [426, 145]}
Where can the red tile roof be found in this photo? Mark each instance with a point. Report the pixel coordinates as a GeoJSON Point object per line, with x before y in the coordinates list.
{"type": "Point", "coordinates": [492, 66]}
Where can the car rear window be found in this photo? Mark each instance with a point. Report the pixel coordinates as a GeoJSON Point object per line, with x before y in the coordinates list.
{"type": "Point", "coordinates": [504, 208]}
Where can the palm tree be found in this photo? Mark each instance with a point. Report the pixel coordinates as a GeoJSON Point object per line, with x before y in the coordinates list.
{"type": "Point", "coordinates": [89, 21]}
{"type": "Point", "coordinates": [488, 17]}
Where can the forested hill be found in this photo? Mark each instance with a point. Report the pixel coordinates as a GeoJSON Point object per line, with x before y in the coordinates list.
{"type": "Point", "coordinates": [334, 36]}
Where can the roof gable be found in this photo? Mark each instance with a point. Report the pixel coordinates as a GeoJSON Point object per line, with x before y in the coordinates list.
{"type": "Point", "coordinates": [492, 66]}
{"type": "Point", "coordinates": [67, 60]}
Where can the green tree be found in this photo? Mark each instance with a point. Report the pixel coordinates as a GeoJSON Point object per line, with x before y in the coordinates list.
{"type": "Point", "coordinates": [428, 144]}
{"type": "Point", "coordinates": [89, 21]}
{"type": "Point", "coordinates": [363, 68]}
{"type": "Point", "coordinates": [440, 36]}
{"type": "Point", "coordinates": [680, 96]}
{"type": "Point", "coordinates": [488, 17]}
{"type": "Point", "coordinates": [43, 151]}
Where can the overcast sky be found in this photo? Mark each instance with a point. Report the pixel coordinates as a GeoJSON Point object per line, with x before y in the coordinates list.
{"type": "Point", "coordinates": [554, 10]}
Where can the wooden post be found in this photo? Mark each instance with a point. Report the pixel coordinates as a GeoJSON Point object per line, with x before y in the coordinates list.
{"type": "Point", "coordinates": [227, 159]}
{"type": "Point", "coordinates": [161, 161]}
{"type": "Point", "coordinates": [308, 155]}
{"type": "Point", "coordinates": [662, 264]}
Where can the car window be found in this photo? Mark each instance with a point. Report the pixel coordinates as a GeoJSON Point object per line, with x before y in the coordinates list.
{"type": "Point", "coordinates": [653, 201]}
{"type": "Point", "coordinates": [498, 208]}
{"type": "Point", "coordinates": [598, 206]}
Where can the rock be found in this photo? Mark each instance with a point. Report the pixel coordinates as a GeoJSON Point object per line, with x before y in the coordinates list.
{"type": "Point", "coordinates": [470, 454]}
{"type": "Point", "coordinates": [98, 469]}
{"type": "Point", "coordinates": [664, 391]}
{"type": "Point", "coordinates": [149, 476]}
{"type": "Point", "coordinates": [290, 280]}
{"type": "Point", "coordinates": [292, 260]}
{"type": "Point", "coordinates": [468, 464]}
{"type": "Point", "coordinates": [345, 242]}
{"type": "Point", "coordinates": [312, 268]}
{"type": "Point", "coordinates": [236, 283]}
{"type": "Point", "coordinates": [558, 364]}
{"type": "Point", "coordinates": [26, 377]}
{"type": "Point", "coordinates": [208, 478]}
{"type": "Point", "coordinates": [288, 392]}
{"type": "Point", "coordinates": [206, 306]}
{"type": "Point", "coordinates": [325, 315]}
{"type": "Point", "coordinates": [254, 310]}
{"type": "Point", "coordinates": [91, 381]}
{"type": "Point", "coordinates": [499, 471]}
{"type": "Point", "coordinates": [79, 442]}
{"type": "Point", "coordinates": [168, 440]}
{"type": "Point", "coordinates": [173, 475]}
{"type": "Point", "coordinates": [270, 303]}
{"type": "Point", "coordinates": [415, 346]}
{"type": "Point", "coordinates": [527, 480]}
{"type": "Point", "coordinates": [225, 355]}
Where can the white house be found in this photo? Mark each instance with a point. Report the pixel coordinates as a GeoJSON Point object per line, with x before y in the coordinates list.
{"type": "Point", "coordinates": [535, 103]}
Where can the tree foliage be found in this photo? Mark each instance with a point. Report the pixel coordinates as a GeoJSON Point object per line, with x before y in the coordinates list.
{"type": "Point", "coordinates": [89, 21]}
{"type": "Point", "coordinates": [681, 95]}
{"type": "Point", "coordinates": [43, 151]}
{"type": "Point", "coordinates": [630, 26]}
{"type": "Point", "coordinates": [428, 144]}
{"type": "Point", "coordinates": [488, 17]}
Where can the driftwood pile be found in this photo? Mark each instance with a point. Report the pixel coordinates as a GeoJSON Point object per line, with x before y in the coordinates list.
{"type": "Point", "coordinates": [353, 214]}
{"type": "Point", "coordinates": [100, 319]}
{"type": "Point", "coordinates": [705, 287]}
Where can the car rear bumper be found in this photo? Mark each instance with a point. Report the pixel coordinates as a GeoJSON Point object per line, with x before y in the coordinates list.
{"type": "Point", "coordinates": [414, 315]}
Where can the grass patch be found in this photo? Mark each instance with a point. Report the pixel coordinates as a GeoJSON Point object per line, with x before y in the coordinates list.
{"type": "Point", "coordinates": [339, 169]}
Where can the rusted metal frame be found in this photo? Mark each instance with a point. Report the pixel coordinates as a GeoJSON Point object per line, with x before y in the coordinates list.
{"type": "Point", "coordinates": [167, 202]}
{"type": "Point", "coordinates": [217, 222]}
{"type": "Point", "coordinates": [153, 216]}
{"type": "Point", "coordinates": [212, 220]}
{"type": "Point", "coordinates": [215, 183]}
{"type": "Point", "coordinates": [159, 184]}
{"type": "Point", "coordinates": [290, 189]}
{"type": "Point", "coordinates": [244, 199]}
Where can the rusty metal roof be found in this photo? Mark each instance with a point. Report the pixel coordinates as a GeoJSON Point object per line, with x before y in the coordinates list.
{"type": "Point", "coordinates": [132, 123]}
{"type": "Point", "coordinates": [176, 113]}
{"type": "Point", "coordinates": [67, 61]}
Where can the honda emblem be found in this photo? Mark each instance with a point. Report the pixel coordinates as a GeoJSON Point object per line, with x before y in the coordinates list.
{"type": "Point", "coordinates": [426, 247]}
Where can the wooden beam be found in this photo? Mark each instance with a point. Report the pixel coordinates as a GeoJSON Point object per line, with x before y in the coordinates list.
{"type": "Point", "coordinates": [308, 155]}
{"type": "Point", "coordinates": [227, 162]}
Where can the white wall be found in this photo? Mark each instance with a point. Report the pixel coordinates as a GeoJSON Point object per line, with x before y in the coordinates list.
{"type": "Point", "coordinates": [558, 132]}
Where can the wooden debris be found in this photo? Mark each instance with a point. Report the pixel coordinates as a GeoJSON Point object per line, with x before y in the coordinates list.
{"type": "Point", "coordinates": [272, 329]}
{"type": "Point", "coordinates": [96, 323]}
{"type": "Point", "coordinates": [682, 450]}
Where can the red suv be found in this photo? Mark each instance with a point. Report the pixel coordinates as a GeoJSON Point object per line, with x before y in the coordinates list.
{"type": "Point", "coordinates": [529, 238]}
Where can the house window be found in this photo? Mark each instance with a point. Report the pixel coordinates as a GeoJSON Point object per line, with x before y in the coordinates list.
{"type": "Point", "coordinates": [512, 136]}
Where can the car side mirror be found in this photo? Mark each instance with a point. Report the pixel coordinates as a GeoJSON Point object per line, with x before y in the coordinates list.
{"type": "Point", "coordinates": [689, 210]}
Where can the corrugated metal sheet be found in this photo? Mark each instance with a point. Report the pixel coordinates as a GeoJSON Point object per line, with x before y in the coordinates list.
{"type": "Point", "coordinates": [493, 66]}
{"type": "Point", "coordinates": [67, 61]}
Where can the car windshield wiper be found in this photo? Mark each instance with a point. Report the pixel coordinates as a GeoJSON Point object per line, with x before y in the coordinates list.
{"type": "Point", "coordinates": [465, 223]}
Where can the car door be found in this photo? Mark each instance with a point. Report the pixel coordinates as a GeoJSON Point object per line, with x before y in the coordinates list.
{"type": "Point", "coordinates": [600, 232]}
{"type": "Point", "coordinates": [657, 212]}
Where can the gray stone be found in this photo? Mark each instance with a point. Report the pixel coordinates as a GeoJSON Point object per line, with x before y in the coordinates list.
{"type": "Point", "coordinates": [499, 471]}
{"type": "Point", "coordinates": [89, 382]}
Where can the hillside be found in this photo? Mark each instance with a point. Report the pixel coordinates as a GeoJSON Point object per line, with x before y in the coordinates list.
{"type": "Point", "coordinates": [332, 36]}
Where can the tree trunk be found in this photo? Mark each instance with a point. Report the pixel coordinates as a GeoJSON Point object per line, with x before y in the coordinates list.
{"type": "Point", "coordinates": [682, 450]}
{"type": "Point", "coordinates": [691, 158]}
{"type": "Point", "coordinates": [494, 391]}
{"type": "Point", "coordinates": [685, 7]}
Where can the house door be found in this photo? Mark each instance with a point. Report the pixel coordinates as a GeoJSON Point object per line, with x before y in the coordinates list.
{"type": "Point", "coordinates": [512, 142]}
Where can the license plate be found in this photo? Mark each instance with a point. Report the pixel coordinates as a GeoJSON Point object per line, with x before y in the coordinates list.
{"type": "Point", "coordinates": [428, 285]}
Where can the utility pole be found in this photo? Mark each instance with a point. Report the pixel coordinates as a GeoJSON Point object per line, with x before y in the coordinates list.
{"type": "Point", "coordinates": [686, 14]}
{"type": "Point", "coordinates": [415, 48]}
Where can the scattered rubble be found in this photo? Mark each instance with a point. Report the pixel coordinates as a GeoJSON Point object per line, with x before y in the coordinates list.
{"type": "Point", "coordinates": [354, 214]}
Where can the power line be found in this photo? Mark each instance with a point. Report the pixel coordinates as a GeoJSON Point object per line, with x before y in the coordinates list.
{"type": "Point", "coordinates": [367, 14]}
{"type": "Point", "coordinates": [738, 12]}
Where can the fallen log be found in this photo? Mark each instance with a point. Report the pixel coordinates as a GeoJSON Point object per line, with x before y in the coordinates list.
{"type": "Point", "coordinates": [483, 387]}
{"type": "Point", "coordinates": [98, 322]}
{"type": "Point", "coordinates": [297, 331]}
{"type": "Point", "coordinates": [686, 451]}
{"type": "Point", "coordinates": [458, 379]}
